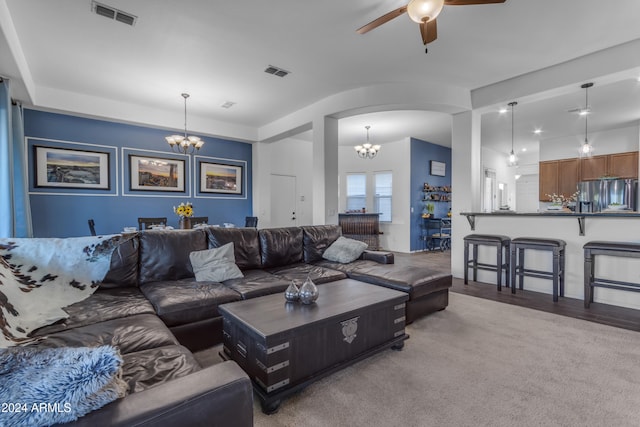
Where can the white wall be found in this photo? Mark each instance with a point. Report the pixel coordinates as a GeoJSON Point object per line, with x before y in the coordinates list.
{"type": "Point", "coordinates": [394, 156]}
{"type": "Point", "coordinates": [286, 157]}
{"type": "Point", "coordinates": [498, 162]}
{"type": "Point", "coordinates": [619, 140]}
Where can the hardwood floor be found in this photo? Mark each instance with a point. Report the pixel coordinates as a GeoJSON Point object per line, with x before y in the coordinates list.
{"type": "Point", "coordinates": [620, 317]}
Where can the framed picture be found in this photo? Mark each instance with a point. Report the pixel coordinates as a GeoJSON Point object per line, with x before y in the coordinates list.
{"type": "Point", "coordinates": [156, 173]}
{"type": "Point", "coordinates": [71, 168]}
{"type": "Point", "coordinates": [438, 168]}
{"type": "Point", "coordinates": [220, 178]}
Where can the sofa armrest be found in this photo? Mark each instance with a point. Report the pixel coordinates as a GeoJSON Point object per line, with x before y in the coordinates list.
{"type": "Point", "coordinates": [378, 256]}
{"type": "Point", "coordinates": [218, 395]}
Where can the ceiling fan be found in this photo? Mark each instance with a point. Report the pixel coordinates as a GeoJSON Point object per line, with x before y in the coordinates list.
{"type": "Point", "coordinates": [423, 12]}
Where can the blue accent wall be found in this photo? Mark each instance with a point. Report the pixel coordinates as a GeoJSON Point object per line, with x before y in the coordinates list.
{"type": "Point", "coordinates": [422, 152]}
{"type": "Point", "coordinates": [64, 212]}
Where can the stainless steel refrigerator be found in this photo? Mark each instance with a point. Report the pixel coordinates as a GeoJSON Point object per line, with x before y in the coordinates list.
{"type": "Point", "coordinates": [608, 194]}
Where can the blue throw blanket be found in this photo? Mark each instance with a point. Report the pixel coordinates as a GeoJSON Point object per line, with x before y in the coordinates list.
{"type": "Point", "coordinates": [42, 387]}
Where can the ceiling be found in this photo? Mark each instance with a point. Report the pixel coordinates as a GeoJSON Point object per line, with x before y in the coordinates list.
{"type": "Point", "coordinates": [217, 51]}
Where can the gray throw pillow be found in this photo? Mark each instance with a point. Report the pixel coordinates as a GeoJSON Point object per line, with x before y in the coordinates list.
{"type": "Point", "coordinates": [215, 265]}
{"type": "Point", "coordinates": [344, 250]}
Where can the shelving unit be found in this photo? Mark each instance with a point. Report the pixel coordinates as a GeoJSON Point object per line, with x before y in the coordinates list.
{"type": "Point", "coordinates": [436, 232]}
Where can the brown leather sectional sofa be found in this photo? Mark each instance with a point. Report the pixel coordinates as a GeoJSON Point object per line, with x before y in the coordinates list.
{"type": "Point", "coordinates": [151, 307]}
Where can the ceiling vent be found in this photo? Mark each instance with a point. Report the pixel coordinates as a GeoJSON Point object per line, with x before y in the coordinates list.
{"type": "Point", "coordinates": [113, 13]}
{"type": "Point", "coordinates": [228, 104]}
{"type": "Point", "coordinates": [276, 71]}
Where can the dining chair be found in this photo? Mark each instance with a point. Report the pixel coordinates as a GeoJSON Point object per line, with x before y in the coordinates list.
{"type": "Point", "coordinates": [92, 227]}
{"type": "Point", "coordinates": [251, 221]}
{"type": "Point", "coordinates": [195, 220]}
{"type": "Point", "coordinates": [145, 223]}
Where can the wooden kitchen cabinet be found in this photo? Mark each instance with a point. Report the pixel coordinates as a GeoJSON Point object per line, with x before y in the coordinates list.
{"type": "Point", "coordinates": [594, 167]}
{"type": "Point", "coordinates": [623, 165]}
{"type": "Point", "coordinates": [548, 179]}
{"type": "Point", "coordinates": [568, 176]}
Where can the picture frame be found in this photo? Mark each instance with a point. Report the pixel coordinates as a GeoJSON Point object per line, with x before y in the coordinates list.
{"type": "Point", "coordinates": [438, 168]}
{"type": "Point", "coordinates": [149, 173]}
{"type": "Point", "coordinates": [221, 178]}
{"type": "Point", "coordinates": [71, 168]}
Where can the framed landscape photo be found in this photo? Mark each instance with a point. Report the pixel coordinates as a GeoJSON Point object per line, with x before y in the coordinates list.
{"type": "Point", "coordinates": [438, 168]}
{"type": "Point", "coordinates": [156, 174]}
{"type": "Point", "coordinates": [71, 168]}
{"type": "Point", "coordinates": [220, 178]}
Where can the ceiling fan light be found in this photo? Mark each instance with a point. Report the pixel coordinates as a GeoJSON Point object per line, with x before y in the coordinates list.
{"type": "Point", "coordinates": [424, 10]}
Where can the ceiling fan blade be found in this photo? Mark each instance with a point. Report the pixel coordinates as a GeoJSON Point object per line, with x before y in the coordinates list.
{"type": "Point", "coordinates": [468, 2]}
{"type": "Point", "coordinates": [429, 31]}
{"type": "Point", "coordinates": [382, 20]}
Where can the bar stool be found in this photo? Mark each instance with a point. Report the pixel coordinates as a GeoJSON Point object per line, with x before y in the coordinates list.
{"type": "Point", "coordinates": [502, 262]}
{"type": "Point", "coordinates": [616, 249]}
{"type": "Point", "coordinates": [556, 246]}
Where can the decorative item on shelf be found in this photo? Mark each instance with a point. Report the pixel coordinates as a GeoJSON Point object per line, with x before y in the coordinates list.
{"type": "Point", "coordinates": [449, 213]}
{"type": "Point", "coordinates": [292, 293]}
{"type": "Point", "coordinates": [367, 150]}
{"type": "Point", "coordinates": [428, 212]}
{"type": "Point", "coordinates": [184, 144]}
{"type": "Point", "coordinates": [308, 292]}
{"type": "Point", "coordinates": [184, 212]}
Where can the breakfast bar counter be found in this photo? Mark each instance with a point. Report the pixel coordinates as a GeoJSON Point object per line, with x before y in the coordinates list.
{"type": "Point", "coordinates": [576, 229]}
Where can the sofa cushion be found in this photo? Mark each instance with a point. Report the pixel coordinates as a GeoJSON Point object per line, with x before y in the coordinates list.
{"type": "Point", "coordinates": [280, 246]}
{"type": "Point", "coordinates": [104, 304]}
{"type": "Point", "coordinates": [164, 254]}
{"type": "Point", "coordinates": [246, 244]}
{"type": "Point", "coordinates": [123, 271]}
{"type": "Point", "coordinates": [148, 368]}
{"type": "Point", "coordinates": [178, 302]}
{"type": "Point", "coordinates": [215, 265]}
{"type": "Point", "coordinates": [128, 334]}
{"type": "Point", "coordinates": [299, 272]}
{"type": "Point", "coordinates": [256, 283]}
{"type": "Point", "coordinates": [344, 250]}
{"type": "Point", "coordinates": [317, 238]}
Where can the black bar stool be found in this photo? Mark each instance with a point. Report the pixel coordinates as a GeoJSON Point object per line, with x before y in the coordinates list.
{"type": "Point", "coordinates": [556, 246]}
{"type": "Point", "coordinates": [620, 249]}
{"type": "Point", "coordinates": [502, 262]}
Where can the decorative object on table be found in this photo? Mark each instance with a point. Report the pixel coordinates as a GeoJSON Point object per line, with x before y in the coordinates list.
{"type": "Point", "coordinates": [67, 168]}
{"type": "Point", "coordinates": [367, 150]}
{"type": "Point", "coordinates": [308, 292]}
{"type": "Point", "coordinates": [156, 173]}
{"type": "Point", "coordinates": [292, 293]}
{"type": "Point", "coordinates": [560, 202]}
{"type": "Point", "coordinates": [185, 212]}
{"type": "Point", "coordinates": [221, 178]}
{"type": "Point", "coordinates": [184, 144]}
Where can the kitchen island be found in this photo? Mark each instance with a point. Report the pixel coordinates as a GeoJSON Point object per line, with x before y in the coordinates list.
{"type": "Point", "coordinates": [574, 228]}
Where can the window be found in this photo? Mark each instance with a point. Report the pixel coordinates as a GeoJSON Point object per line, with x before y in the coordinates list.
{"type": "Point", "coordinates": [384, 188]}
{"type": "Point", "coordinates": [356, 191]}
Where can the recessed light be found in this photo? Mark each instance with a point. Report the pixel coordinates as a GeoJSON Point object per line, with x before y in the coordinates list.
{"type": "Point", "coordinates": [502, 110]}
{"type": "Point", "coordinates": [537, 131]}
{"type": "Point", "coordinates": [524, 149]}
{"type": "Point", "coordinates": [584, 112]}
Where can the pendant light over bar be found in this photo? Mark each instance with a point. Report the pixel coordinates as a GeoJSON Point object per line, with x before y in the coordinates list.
{"type": "Point", "coordinates": [513, 160]}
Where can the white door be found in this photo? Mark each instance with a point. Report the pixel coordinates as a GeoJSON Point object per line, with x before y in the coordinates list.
{"type": "Point", "coordinates": [283, 201]}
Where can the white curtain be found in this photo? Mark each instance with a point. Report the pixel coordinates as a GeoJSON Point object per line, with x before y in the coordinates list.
{"type": "Point", "coordinates": [15, 211]}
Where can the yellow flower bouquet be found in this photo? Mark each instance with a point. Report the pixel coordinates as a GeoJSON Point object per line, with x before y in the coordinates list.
{"type": "Point", "coordinates": [184, 210]}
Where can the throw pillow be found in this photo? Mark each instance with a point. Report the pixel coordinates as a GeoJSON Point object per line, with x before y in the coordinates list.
{"type": "Point", "coordinates": [215, 265]}
{"type": "Point", "coordinates": [40, 276]}
{"type": "Point", "coordinates": [344, 250]}
{"type": "Point", "coordinates": [48, 386]}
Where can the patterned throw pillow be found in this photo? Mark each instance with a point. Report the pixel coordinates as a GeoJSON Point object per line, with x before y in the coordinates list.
{"type": "Point", "coordinates": [344, 250]}
{"type": "Point", "coordinates": [215, 265]}
{"type": "Point", "coordinates": [40, 276]}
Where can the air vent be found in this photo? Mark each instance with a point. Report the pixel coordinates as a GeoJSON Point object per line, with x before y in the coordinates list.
{"type": "Point", "coordinates": [113, 13]}
{"type": "Point", "coordinates": [228, 104]}
{"type": "Point", "coordinates": [276, 71]}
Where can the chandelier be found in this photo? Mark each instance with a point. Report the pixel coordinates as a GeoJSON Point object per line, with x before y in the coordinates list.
{"type": "Point", "coordinates": [367, 150]}
{"type": "Point", "coordinates": [513, 160]}
{"type": "Point", "coordinates": [586, 149]}
{"type": "Point", "coordinates": [184, 144]}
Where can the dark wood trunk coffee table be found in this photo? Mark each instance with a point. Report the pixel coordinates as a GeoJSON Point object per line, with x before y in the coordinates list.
{"type": "Point", "coordinates": [284, 347]}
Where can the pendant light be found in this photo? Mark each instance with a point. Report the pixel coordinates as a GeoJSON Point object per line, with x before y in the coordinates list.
{"type": "Point", "coordinates": [184, 144]}
{"type": "Point", "coordinates": [586, 149]}
{"type": "Point", "coordinates": [513, 160]}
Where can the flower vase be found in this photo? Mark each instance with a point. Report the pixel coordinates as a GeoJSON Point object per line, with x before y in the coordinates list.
{"type": "Point", "coordinates": [184, 223]}
{"type": "Point", "coordinates": [308, 292]}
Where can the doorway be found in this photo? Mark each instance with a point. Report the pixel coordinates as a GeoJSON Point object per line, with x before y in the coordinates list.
{"type": "Point", "coordinates": [283, 201]}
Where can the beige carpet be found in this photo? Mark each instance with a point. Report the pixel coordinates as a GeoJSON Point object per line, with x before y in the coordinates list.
{"type": "Point", "coordinates": [482, 363]}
